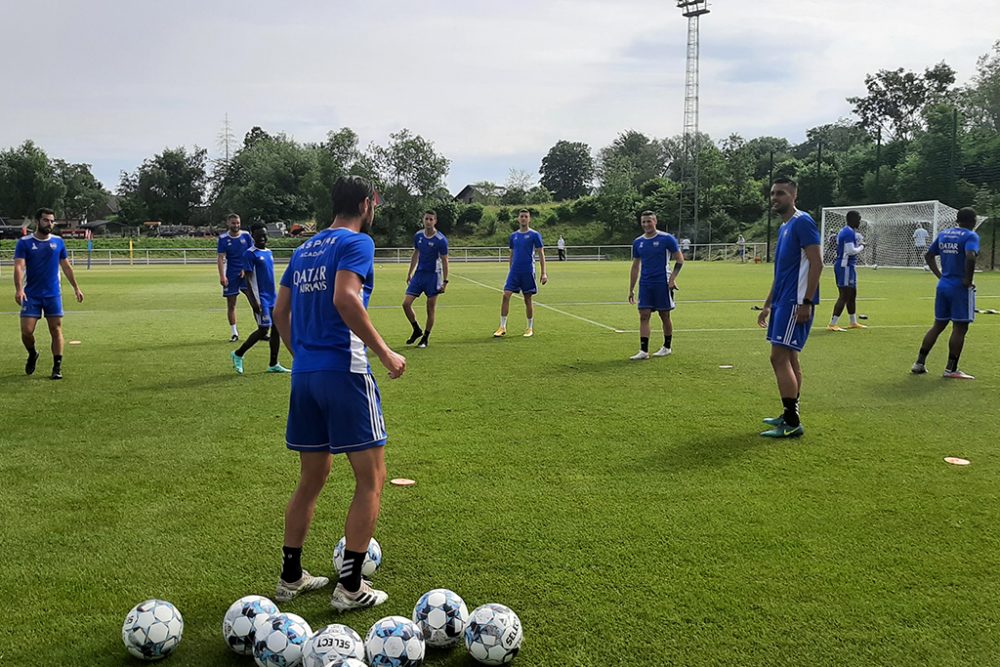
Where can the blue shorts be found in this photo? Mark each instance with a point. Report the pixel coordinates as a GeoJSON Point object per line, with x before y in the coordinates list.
{"type": "Point", "coordinates": [518, 282]}
{"type": "Point", "coordinates": [784, 330]}
{"type": "Point", "coordinates": [265, 318]}
{"type": "Point", "coordinates": [955, 302]}
{"type": "Point", "coordinates": [655, 296]}
{"type": "Point", "coordinates": [335, 412]}
{"type": "Point", "coordinates": [34, 306]}
{"type": "Point", "coordinates": [847, 276]}
{"type": "Point", "coordinates": [236, 284]}
{"type": "Point", "coordinates": [425, 282]}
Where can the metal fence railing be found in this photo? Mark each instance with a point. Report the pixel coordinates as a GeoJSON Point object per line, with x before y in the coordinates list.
{"type": "Point", "coordinates": [159, 256]}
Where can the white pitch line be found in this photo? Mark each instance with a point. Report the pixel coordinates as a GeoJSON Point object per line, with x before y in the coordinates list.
{"type": "Point", "coordinates": [542, 305]}
{"type": "Point", "coordinates": [884, 326]}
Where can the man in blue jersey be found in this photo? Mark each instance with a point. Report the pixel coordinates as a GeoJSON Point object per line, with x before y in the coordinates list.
{"type": "Point", "coordinates": [335, 408]}
{"type": "Point", "coordinates": [232, 245]}
{"type": "Point", "coordinates": [37, 259]}
{"type": "Point", "coordinates": [521, 273]}
{"type": "Point", "coordinates": [956, 294]}
{"type": "Point", "coordinates": [849, 246]}
{"type": "Point", "coordinates": [791, 303]}
{"type": "Point", "coordinates": [657, 283]}
{"type": "Point", "coordinates": [258, 277]}
{"type": "Point", "coordinates": [428, 275]}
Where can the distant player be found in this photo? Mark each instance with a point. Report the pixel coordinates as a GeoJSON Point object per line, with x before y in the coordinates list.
{"type": "Point", "coordinates": [335, 408]}
{"type": "Point", "coordinates": [657, 282]}
{"type": "Point", "coordinates": [849, 246]}
{"type": "Point", "coordinates": [561, 247]}
{"type": "Point", "coordinates": [956, 294]}
{"type": "Point", "coordinates": [920, 238]}
{"type": "Point", "coordinates": [521, 275]}
{"type": "Point", "coordinates": [258, 277]}
{"type": "Point", "coordinates": [791, 303]}
{"type": "Point", "coordinates": [37, 259]}
{"type": "Point", "coordinates": [741, 245]}
{"type": "Point", "coordinates": [428, 275]}
{"type": "Point", "coordinates": [232, 245]}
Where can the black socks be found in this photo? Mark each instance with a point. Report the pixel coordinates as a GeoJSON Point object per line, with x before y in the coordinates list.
{"type": "Point", "coordinates": [667, 340]}
{"type": "Point", "coordinates": [791, 414]}
{"type": "Point", "coordinates": [644, 344]}
{"type": "Point", "coordinates": [291, 564]}
{"type": "Point", "coordinates": [350, 573]}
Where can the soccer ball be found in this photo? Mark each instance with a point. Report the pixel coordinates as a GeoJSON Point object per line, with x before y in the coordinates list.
{"type": "Point", "coordinates": [493, 634]}
{"type": "Point", "coordinates": [346, 662]}
{"type": "Point", "coordinates": [373, 560]}
{"type": "Point", "coordinates": [441, 615]}
{"type": "Point", "coordinates": [333, 643]}
{"type": "Point", "coordinates": [242, 619]}
{"type": "Point", "coordinates": [280, 641]}
{"type": "Point", "coordinates": [152, 630]}
{"type": "Point", "coordinates": [395, 641]}
{"type": "Point", "coordinates": [874, 267]}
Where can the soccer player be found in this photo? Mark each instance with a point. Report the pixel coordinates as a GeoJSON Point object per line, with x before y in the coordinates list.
{"type": "Point", "coordinates": [561, 247]}
{"type": "Point", "coordinates": [956, 295]}
{"type": "Point", "coordinates": [741, 245]}
{"type": "Point", "coordinates": [656, 284]}
{"type": "Point", "coordinates": [335, 408]}
{"type": "Point", "coordinates": [430, 259]}
{"type": "Point", "coordinates": [232, 245]}
{"type": "Point", "coordinates": [920, 237]}
{"type": "Point", "coordinates": [37, 259]}
{"type": "Point", "coordinates": [521, 273]}
{"type": "Point", "coordinates": [794, 294]}
{"type": "Point", "coordinates": [258, 276]}
{"type": "Point", "coordinates": [849, 246]}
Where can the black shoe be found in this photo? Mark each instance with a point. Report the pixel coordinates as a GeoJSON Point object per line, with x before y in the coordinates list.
{"type": "Point", "coordinates": [417, 333]}
{"type": "Point", "coordinates": [29, 365]}
{"type": "Point", "coordinates": [234, 338]}
{"type": "Point", "coordinates": [423, 342]}
{"type": "Point", "coordinates": [56, 373]}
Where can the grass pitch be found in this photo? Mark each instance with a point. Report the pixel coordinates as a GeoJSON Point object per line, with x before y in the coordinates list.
{"type": "Point", "coordinates": [628, 512]}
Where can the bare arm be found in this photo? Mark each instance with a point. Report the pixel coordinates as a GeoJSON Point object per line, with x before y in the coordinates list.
{"type": "Point", "coordinates": [68, 270]}
{"type": "Point", "coordinates": [282, 317]}
{"type": "Point", "coordinates": [348, 302]}
{"type": "Point", "coordinates": [678, 258]}
{"type": "Point", "coordinates": [19, 281]}
{"type": "Point", "coordinates": [413, 265]}
{"type": "Point", "coordinates": [541, 259]}
{"type": "Point", "coordinates": [444, 267]}
{"type": "Point", "coordinates": [221, 263]}
{"type": "Point", "coordinates": [932, 264]}
{"type": "Point", "coordinates": [970, 268]}
{"type": "Point", "coordinates": [812, 282]}
{"type": "Point", "coordinates": [766, 310]}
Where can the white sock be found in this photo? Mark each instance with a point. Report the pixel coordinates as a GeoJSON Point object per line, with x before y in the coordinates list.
{"type": "Point", "coordinates": [235, 332]}
{"type": "Point", "coordinates": [531, 322]}
{"type": "Point", "coordinates": [503, 321]}
{"type": "Point", "coordinates": [833, 320]}
{"type": "Point", "coordinates": [854, 318]}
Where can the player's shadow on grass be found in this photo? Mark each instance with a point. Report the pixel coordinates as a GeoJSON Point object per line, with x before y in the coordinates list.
{"type": "Point", "coordinates": [192, 382]}
{"type": "Point", "coordinates": [186, 345]}
{"type": "Point", "coordinates": [709, 451]}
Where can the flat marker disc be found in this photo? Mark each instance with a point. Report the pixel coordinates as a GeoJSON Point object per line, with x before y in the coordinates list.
{"type": "Point", "coordinates": [725, 367]}
{"type": "Point", "coordinates": [74, 342]}
{"type": "Point", "coordinates": [402, 481]}
{"type": "Point", "coordinates": [956, 461]}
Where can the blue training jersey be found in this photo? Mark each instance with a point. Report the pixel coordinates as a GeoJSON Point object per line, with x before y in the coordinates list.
{"type": "Point", "coordinates": [846, 235]}
{"type": "Point", "coordinates": [654, 254]}
{"type": "Point", "coordinates": [258, 265]}
{"type": "Point", "coordinates": [951, 245]}
{"type": "Point", "coordinates": [791, 268]}
{"type": "Point", "coordinates": [522, 248]}
{"type": "Point", "coordinates": [321, 341]}
{"type": "Point", "coordinates": [430, 251]}
{"type": "Point", "coordinates": [234, 247]}
{"type": "Point", "coordinates": [41, 261]}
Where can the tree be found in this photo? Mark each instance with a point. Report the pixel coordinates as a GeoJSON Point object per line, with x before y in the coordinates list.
{"type": "Point", "coordinates": [895, 98]}
{"type": "Point", "coordinates": [617, 197]}
{"type": "Point", "coordinates": [647, 157]}
{"type": "Point", "coordinates": [28, 181]}
{"type": "Point", "coordinates": [567, 170]}
{"type": "Point", "coordinates": [982, 96]}
{"type": "Point", "coordinates": [84, 194]}
{"type": "Point", "coordinates": [489, 192]}
{"type": "Point", "coordinates": [165, 187]}
{"type": "Point", "coordinates": [515, 190]}
{"type": "Point", "coordinates": [335, 157]}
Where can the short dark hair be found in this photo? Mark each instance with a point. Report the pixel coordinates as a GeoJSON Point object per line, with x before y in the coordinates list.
{"type": "Point", "coordinates": [431, 212]}
{"type": "Point", "coordinates": [853, 215]}
{"type": "Point", "coordinates": [43, 211]}
{"type": "Point", "coordinates": [784, 180]}
{"type": "Point", "coordinates": [524, 210]}
{"type": "Point", "coordinates": [647, 214]}
{"type": "Point", "coordinates": [257, 225]}
{"type": "Point", "coordinates": [348, 193]}
{"type": "Point", "coordinates": [232, 216]}
{"type": "Point", "coordinates": [967, 216]}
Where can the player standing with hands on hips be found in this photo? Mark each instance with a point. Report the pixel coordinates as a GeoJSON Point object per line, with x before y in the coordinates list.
{"type": "Point", "coordinates": [335, 406]}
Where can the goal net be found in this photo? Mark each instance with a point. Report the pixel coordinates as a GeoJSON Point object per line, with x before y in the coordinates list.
{"type": "Point", "coordinates": [890, 231]}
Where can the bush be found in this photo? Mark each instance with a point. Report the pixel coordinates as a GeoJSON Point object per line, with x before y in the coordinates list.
{"type": "Point", "coordinates": [586, 208]}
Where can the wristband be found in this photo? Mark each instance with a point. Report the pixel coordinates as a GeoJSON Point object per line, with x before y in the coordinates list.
{"type": "Point", "coordinates": [807, 301]}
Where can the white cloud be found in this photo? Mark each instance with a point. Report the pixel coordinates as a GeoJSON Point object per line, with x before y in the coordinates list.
{"type": "Point", "coordinates": [114, 83]}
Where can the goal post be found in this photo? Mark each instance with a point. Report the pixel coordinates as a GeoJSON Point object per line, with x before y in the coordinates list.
{"type": "Point", "coordinates": [889, 231]}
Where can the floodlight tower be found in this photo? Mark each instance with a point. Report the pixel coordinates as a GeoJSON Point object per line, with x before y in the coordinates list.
{"type": "Point", "coordinates": [692, 10]}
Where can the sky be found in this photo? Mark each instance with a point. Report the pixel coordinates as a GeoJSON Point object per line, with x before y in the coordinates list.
{"type": "Point", "coordinates": [492, 84]}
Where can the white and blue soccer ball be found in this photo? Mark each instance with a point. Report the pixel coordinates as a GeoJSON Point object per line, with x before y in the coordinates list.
{"type": "Point", "coordinates": [346, 662]}
{"type": "Point", "coordinates": [373, 559]}
{"type": "Point", "coordinates": [395, 641]}
{"type": "Point", "coordinates": [493, 634]}
{"type": "Point", "coordinates": [333, 644]}
{"type": "Point", "coordinates": [441, 615]}
{"type": "Point", "coordinates": [241, 620]}
{"type": "Point", "coordinates": [152, 630]}
{"type": "Point", "coordinates": [280, 641]}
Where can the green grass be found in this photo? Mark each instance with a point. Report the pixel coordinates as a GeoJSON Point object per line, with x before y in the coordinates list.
{"type": "Point", "coordinates": [629, 512]}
